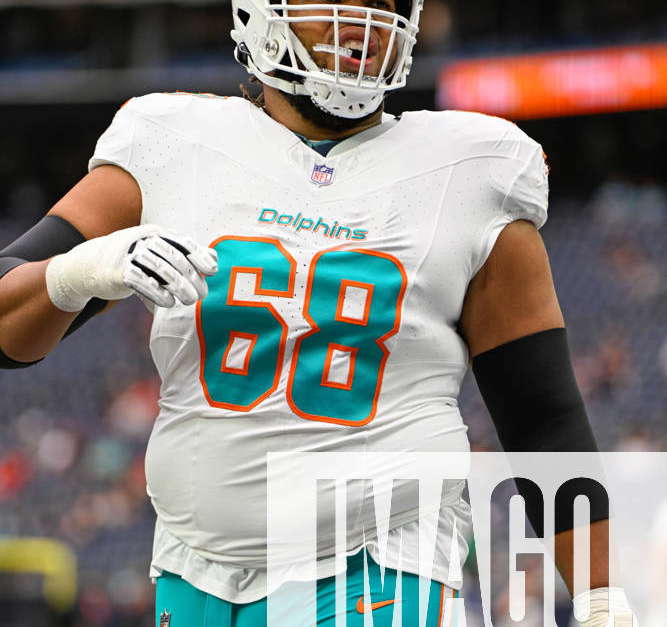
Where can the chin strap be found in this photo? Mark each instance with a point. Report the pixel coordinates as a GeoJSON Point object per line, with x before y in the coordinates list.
{"type": "Point", "coordinates": [290, 87]}
{"type": "Point", "coordinates": [327, 97]}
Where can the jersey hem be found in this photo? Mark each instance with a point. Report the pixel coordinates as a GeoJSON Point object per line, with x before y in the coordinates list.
{"type": "Point", "coordinates": [178, 558]}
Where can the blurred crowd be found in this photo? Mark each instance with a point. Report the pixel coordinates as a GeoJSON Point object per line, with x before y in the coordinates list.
{"type": "Point", "coordinates": [74, 427]}
{"type": "Point", "coordinates": [79, 35]}
{"type": "Point", "coordinates": [608, 259]}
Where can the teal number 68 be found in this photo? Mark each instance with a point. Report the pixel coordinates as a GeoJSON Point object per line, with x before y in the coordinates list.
{"type": "Point", "coordinates": [352, 302]}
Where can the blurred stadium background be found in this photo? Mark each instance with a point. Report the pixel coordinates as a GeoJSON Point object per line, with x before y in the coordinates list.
{"type": "Point", "coordinates": [586, 79]}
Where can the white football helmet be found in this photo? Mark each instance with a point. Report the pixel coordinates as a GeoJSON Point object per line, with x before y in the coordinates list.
{"type": "Point", "coordinates": [265, 42]}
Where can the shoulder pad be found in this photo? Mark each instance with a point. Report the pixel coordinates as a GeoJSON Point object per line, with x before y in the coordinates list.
{"type": "Point", "coordinates": [486, 135]}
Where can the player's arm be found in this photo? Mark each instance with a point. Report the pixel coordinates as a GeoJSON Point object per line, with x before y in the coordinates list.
{"type": "Point", "coordinates": [87, 250]}
{"type": "Point", "coordinates": [104, 201]}
{"type": "Point", "coordinates": [513, 297]}
{"type": "Point", "coordinates": [514, 328]}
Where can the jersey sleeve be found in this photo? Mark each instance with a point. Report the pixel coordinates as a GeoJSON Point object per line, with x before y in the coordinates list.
{"type": "Point", "coordinates": [519, 189]}
{"type": "Point", "coordinates": [527, 183]}
{"type": "Point", "coordinates": [151, 138]}
{"type": "Point", "coordinates": [135, 140]}
{"type": "Point", "coordinates": [114, 147]}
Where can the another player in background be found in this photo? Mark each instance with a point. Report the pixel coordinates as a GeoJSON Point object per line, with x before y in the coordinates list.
{"type": "Point", "coordinates": [320, 274]}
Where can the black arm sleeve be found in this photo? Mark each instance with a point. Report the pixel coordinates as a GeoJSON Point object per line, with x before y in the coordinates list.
{"type": "Point", "coordinates": [51, 236]}
{"type": "Point", "coordinates": [529, 387]}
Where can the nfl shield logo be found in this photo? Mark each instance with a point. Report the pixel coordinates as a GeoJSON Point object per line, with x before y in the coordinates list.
{"type": "Point", "coordinates": [322, 175]}
{"type": "Point", "coordinates": [165, 619]}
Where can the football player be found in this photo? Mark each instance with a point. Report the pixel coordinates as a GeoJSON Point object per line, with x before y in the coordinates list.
{"type": "Point", "coordinates": [320, 275]}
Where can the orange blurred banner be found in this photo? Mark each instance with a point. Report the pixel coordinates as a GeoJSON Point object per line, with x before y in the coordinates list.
{"type": "Point", "coordinates": [558, 83]}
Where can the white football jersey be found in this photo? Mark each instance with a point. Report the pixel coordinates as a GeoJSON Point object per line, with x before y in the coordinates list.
{"type": "Point", "coordinates": [331, 323]}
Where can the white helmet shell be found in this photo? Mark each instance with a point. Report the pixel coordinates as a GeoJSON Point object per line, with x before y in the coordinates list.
{"type": "Point", "coordinates": [265, 42]}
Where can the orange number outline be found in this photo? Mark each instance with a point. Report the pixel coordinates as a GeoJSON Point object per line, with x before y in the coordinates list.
{"type": "Point", "coordinates": [246, 361]}
{"type": "Point", "coordinates": [344, 284]}
{"type": "Point", "coordinates": [352, 352]}
{"type": "Point", "coordinates": [257, 271]}
{"type": "Point", "coordinates": [316, 329]}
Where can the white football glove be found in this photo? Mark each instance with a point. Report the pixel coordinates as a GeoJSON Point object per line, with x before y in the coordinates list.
{"type": "Point", "coordinates": [608, 608]}
{"type": "Point", "coordinates": [148, 260]}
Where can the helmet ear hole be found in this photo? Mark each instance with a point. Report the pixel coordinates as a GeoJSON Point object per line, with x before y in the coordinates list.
{"type": "Point", "coordinates": [243, 15]}
{"type": "Point", "coordinates": [404, 7]}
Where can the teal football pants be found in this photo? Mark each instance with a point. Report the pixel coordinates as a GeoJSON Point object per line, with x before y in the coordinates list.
{"type": "Point", "coordinates": [182, 605]}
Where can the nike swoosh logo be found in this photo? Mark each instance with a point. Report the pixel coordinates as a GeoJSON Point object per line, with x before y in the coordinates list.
{"type": "Point", "coordinates": [365, 609]}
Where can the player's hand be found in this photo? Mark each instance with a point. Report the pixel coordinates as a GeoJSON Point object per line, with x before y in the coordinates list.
{"type": "Point", "coordinates": [608, 608]}
{"type": "Point", "coordinates": [148, 260]}
{"type": "Point", "coordinates": [165, 267]}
